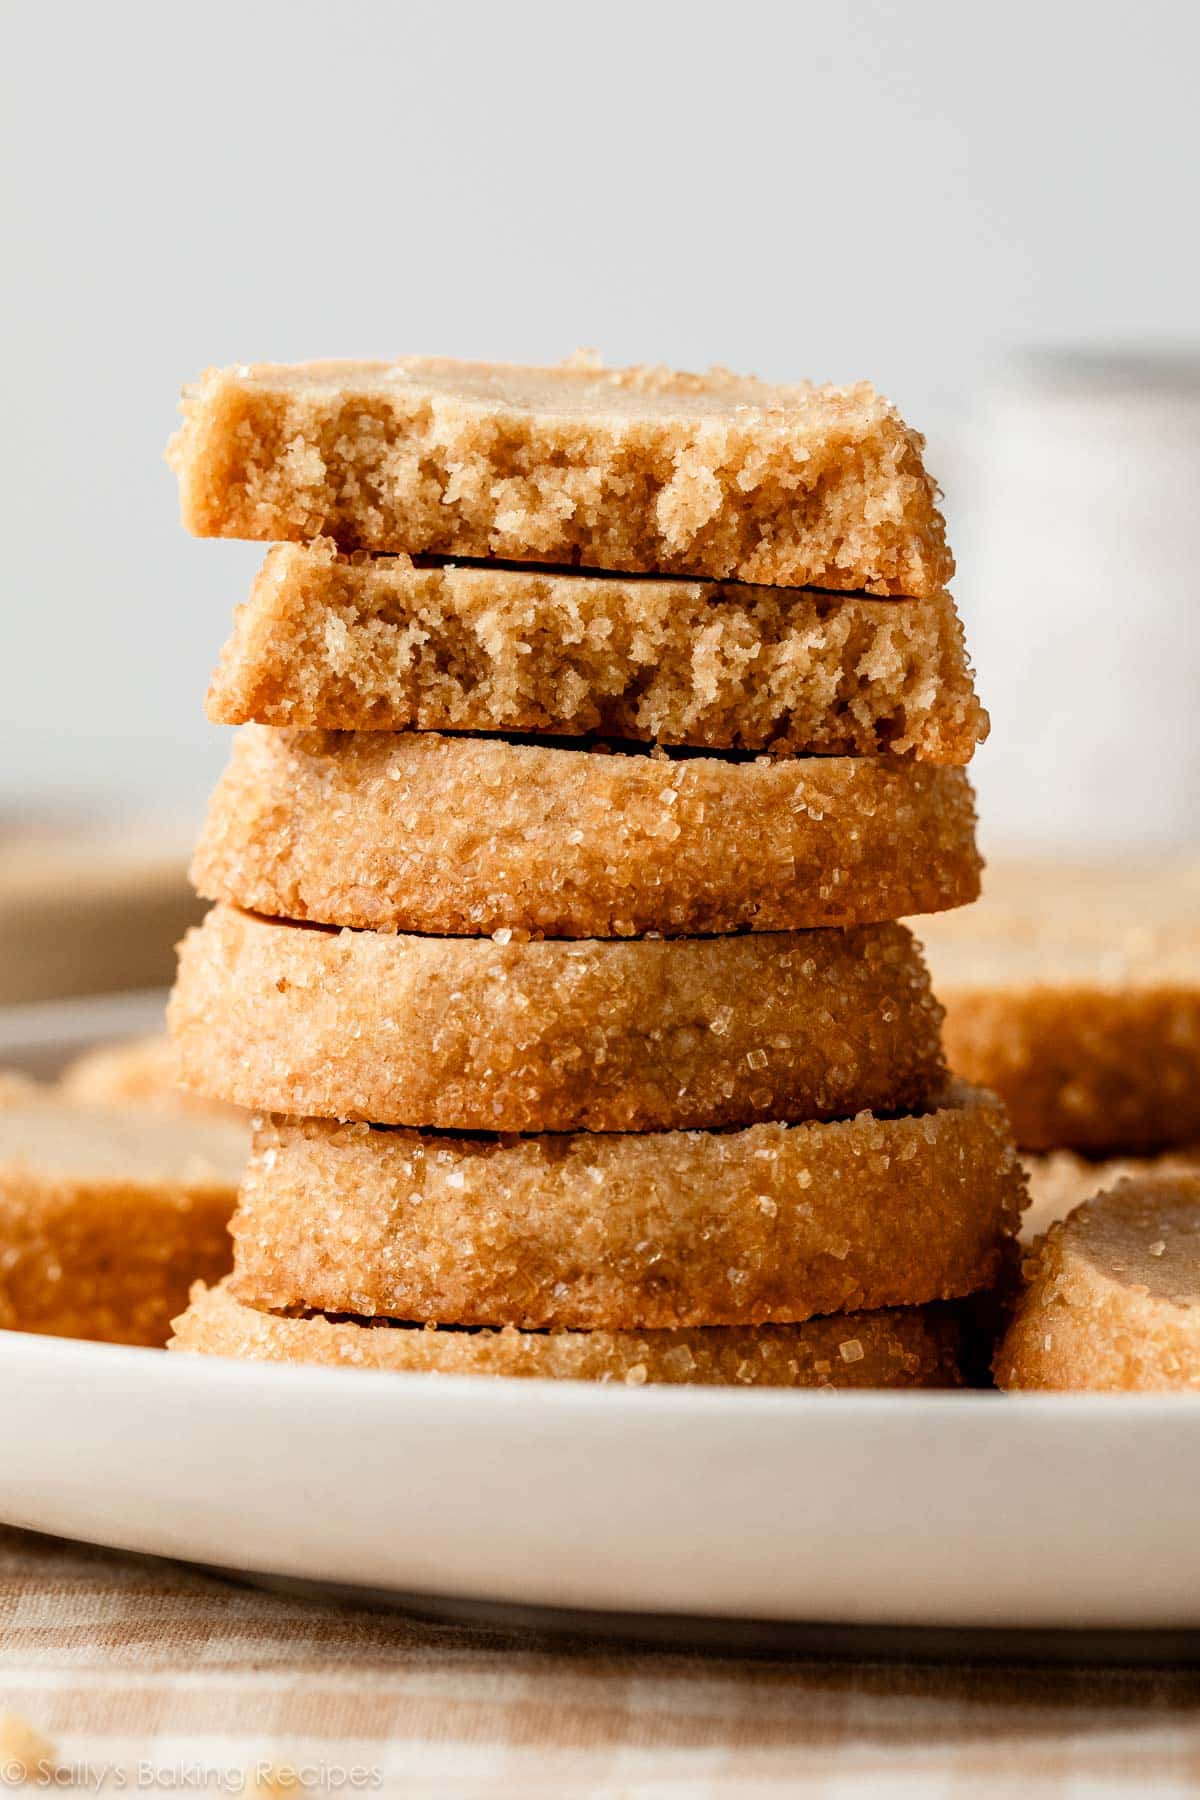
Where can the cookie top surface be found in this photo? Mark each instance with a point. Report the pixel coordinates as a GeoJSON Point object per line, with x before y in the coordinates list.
{"type": "Point", "coordinates": [585, 390]}
{"type": "Point", "coordinates": [1060, 1180]}
{"type": "Point", "coordinates": [1103, 925]}
{"type": "Point", "coordinates": [1142, 1236]}
{"type": "Point", "coordinates": [44, 1135]}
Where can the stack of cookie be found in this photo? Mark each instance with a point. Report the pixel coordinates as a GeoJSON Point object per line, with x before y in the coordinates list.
{"type": "Point", "coordinates": [554, 920]}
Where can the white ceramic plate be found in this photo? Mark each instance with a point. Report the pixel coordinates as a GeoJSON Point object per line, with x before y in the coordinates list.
{"type": "Point", "coordinates": [956, 1511]}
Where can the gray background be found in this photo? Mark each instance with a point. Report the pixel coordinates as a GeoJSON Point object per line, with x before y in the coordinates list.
{"type": "Point", "coordinates": [906, 192]}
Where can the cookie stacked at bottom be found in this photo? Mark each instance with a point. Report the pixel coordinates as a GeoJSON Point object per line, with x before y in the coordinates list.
{"type": "Point", "coordinates": [599, 1052]}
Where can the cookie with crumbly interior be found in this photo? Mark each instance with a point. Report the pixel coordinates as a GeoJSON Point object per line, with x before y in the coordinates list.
{"type": "Point", "coordinates": [109, 1212]}
{"type": "Point", "coordinates": [376, 643]}
{"type": "Point", "coordinates": [1059, 1180]}
{"type": "Point", "coordinates": [414, 831]}
{"type": "Point", "coordinates": [912, 1348]}
{"type": "Point", "coordinates": [1112, 1301]}
{"type": "Point", "coordinates": [656, 1229]}
{"type": "Point", "coordinates": [628, 469]}
{"type": "Point", "coordinates": [467, 1034]}
{"type": "Point", "coordinates": [1073, 990]}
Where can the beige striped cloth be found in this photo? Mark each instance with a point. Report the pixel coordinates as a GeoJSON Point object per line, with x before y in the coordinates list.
{"type": "Point", "coordinates": [144, 1678]}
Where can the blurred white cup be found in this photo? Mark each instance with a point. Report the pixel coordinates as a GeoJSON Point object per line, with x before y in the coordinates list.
{"type": "Point", "coordinates": [1080, 587]}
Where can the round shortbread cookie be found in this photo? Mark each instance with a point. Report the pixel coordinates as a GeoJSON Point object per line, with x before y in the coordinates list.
{"type": "Point", "coordinates": [655, 1230]}
{"type": "Point", "coordinates": [411, 831]}
{"type": "Point", "coordinates": [1113, 1296]}
{"type": "Point", "coordinates": [376, 643]}
{"type": "Point", "coordinates": [109, 1211]}
{"type": "Point", "coordinates": [465, 1034]}
{"type": "Point", "coordinates": [1073, 990]}
{"type": "Point", "coordinates": [898, 1349]}
{"type": "Point", "coordinates": [638, 469]}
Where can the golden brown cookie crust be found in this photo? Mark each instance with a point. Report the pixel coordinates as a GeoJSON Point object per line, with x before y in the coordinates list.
{"type": "Point", "coordinates": [1113, 1296]}
{"type": "Point", "coordinates": [1073, 990]}
{"type": "Point", "coordinates": [900, 1349]}
{"type": "Point", "coordinates": [365, 643]}
{"type": "Point", "coordinates": [626, 469]}
{"type": "Point", "coordinates": [462, 836]}
{"type": "Point", "coordinates": [107, 1213]}
{"type": "Point", "coordinates": [473, 1035]}
{"type": "Point", "coordinates": [652, 1230]}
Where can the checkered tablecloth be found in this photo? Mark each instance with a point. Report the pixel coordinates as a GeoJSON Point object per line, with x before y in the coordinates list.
{"type": "Point", "coordinates": [146, 1678]}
